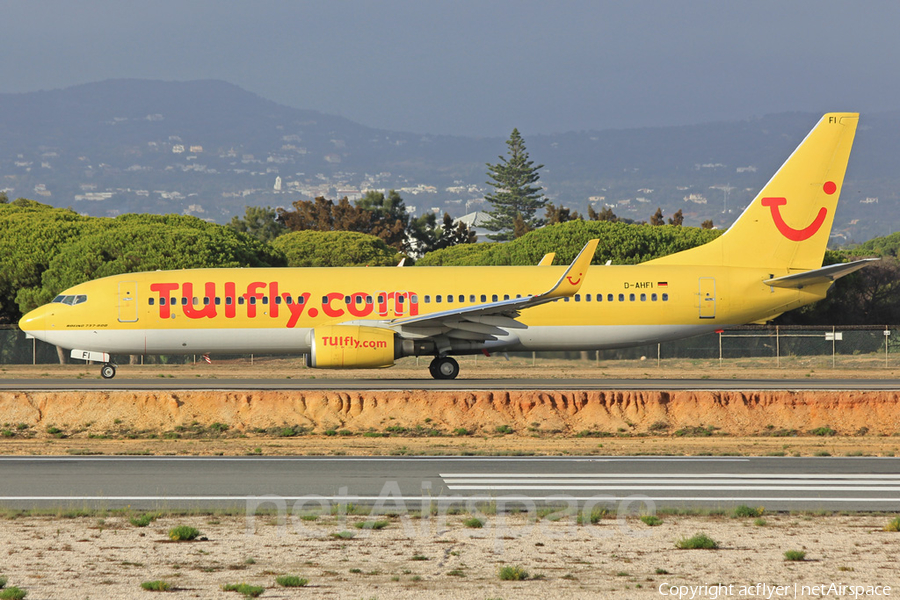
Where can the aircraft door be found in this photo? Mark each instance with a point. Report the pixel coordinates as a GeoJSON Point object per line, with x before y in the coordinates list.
{"type": "Point", "coordinates": [707, 298]}
{"type": "Point", "coordinates": [128, 302]}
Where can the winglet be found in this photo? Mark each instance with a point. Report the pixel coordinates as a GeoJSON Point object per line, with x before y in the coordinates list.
{"type": "Point", "coordinates": [547, 260]}
{"type": "Point", "coordinates": [570, 282]}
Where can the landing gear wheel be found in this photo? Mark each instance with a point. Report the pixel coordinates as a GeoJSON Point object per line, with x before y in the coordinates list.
{"type": "Point", "coordinates": [108, 371]}
{"type": "Point", "coordinates": [444, 367]}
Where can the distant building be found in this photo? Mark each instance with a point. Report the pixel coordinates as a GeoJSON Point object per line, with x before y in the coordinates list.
{"type": "Point", "coordinates": [196, 149]}
{"type": "Point", "coordinates": [177, 148]}
{"type": "Point", "coordinates": [278, 184]}
{"type": "Point", "coordinates": [475, 222]}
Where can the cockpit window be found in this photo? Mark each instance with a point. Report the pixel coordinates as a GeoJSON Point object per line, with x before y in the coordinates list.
{"type": "Point", "coordinates": [71, 300]}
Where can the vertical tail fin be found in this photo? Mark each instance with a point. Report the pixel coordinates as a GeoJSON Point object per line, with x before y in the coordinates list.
{"type": "Point", "coordinates": [788, 224]}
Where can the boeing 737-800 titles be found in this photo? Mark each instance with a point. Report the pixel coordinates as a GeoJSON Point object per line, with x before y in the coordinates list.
{"type": "Point", "coordinates": [769, 261]}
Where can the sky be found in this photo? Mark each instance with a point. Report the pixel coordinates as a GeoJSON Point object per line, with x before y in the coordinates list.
{"type": "Point", "coordinates": [478, 68]}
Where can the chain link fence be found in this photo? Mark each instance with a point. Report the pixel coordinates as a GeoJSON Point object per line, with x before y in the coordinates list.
{"type": "Point", "coordinates": [747, 346]}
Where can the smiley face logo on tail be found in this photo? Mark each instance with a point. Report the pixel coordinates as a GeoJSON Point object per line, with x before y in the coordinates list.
{"type": "Point", "coordinates": [798, 235]}
{"type": "Point", "coordinates": [576, 282]}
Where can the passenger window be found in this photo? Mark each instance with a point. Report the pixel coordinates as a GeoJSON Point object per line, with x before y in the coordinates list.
{"type": "Point", "coordinates": [265, 300]}
{"type": "Point", "coordinates": [665, 297]}
{"type": "Point", "coordinates": [401, 299]}
{"type": "Point", "coordinates": [252, 299]}
{"type": "Point", "coordinates": [368, 299]}
{"type": "Point", "coordinates": [621, 297]}
{"type": "Point", "coordinates": [577, 297]}
{"type": "Point", "coordinates": [380, 299]}
{"type": "Point", "coordinates": [205, 300]}
{"type": "Point", "coordinates": [172, 301]}
{"type": "Point", "coordinates": [277, 300]}
{"type": "Point", "coordinates": [218, 301]}
{"type": "Point", "coordinates": [631, 297]}
{"type": "Point", "coordinates": [346, 299]}
{"type": "Point", "coordinates": [152, 301]}
{"type": "Point", "coordinates": [484, 297]}
{"type": "Point", "coordinates": [183, 301]}
{"type": "Point", "coordinates": [566, 299]}
{"type": "Point", "coordinates": [494, 298]}
{"type": "Point", "coordinates": [300, 299]}
{"type": "Point", "coordinates": [240, 299]}
{"type": "Point", "coordinates": [195, 301]}
{"type": "Point", "coordinates": [324, 299]}
{"type": "Point", "coordinates": [609, 298]}
{"type": "Point", "coordinates": [643, 297]}
{"type": "Point", "coordinates": [653, 297]}
{"type": "Point", "coordinates": [229, 300]}
{"type": "Point", "coordinates": [472, 298]}
{"type": "Point", "coordinates": [449, 297]}
{"type": "Point", "coordinates": [288, 300]}
{"type": "Point", "coordinates": [506, 296]}
{"type": "Point", "coordinates": [587, 297]}
{"type": "Point", "coordinates": [599, 297]}
{"type": "Point", "coordinates": [462, 298]}
{"type": "Point", "coordinates": [427, 299]}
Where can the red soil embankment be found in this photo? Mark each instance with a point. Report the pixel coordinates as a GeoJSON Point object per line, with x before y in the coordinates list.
{"type": "Point", "coordinates": [735, 413]}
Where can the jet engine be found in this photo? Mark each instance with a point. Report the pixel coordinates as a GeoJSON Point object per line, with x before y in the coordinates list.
{"type": "Point", "coordinates": [351, 347]}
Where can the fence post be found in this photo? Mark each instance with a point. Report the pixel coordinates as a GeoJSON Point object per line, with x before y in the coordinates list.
{"type": "Point", "coordinates": [777, 348]}
{"type": "Point", "coordinates": [887, 333]}
{"type": "Point", "coordinates": [720, 347]}
{"type": "Point", "coordinates": [833, 344]}
{"type": "Point", "coordinates": [658, 353]}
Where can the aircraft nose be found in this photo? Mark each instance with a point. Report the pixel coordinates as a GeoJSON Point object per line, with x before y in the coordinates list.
{"type": "Point", "coordinates": [35, 321]}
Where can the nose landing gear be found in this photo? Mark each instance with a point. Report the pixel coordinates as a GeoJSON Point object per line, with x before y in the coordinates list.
{"type": "Point", "coordinates": [444, 367]}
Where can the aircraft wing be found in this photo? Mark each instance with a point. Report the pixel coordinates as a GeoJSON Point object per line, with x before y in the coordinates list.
{"type": "Point", "coordinates": [484, 322]}
{"type": "Point", "coordinates": [817, 276]}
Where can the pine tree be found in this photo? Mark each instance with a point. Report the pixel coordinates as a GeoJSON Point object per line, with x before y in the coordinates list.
{"type": "Point", "coordinates": [515, 192]}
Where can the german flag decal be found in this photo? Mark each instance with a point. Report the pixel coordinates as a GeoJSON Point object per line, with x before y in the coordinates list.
{"type": "Point", "coordinates": [662, 284]}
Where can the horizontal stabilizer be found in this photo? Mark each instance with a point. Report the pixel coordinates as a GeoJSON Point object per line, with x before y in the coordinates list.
{"type": "Point", "coordinates": [819, 276]}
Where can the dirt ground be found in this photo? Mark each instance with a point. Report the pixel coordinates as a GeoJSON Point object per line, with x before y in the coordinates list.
{"type": "Point", "coordinates": [439, 557]}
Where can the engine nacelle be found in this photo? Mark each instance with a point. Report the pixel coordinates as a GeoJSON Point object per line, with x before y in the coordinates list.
{"type": "Point", "coordinates": [351, 347]}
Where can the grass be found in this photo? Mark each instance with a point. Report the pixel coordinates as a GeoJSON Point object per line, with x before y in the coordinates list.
{"type": "Point", "coordinates": [759, 522]}
{"type": "Point", "coordinates": [513, 573]}
{"type": "Point", "coordinates": [893, 524]}
{"type": "Point", "coordinates": [701, 541]}
{"type": "Point", "coordinates": [743, 510]}
{"type": "Point", "coordinates": [291, 581]}
{"type": "Point", "coordinates": [184, 533]}
{"type": "Point", "coordinates": [593, 518]}
{"type": "Point", "coordinates": [343, 535]}
{"type": "Point", "coordinates": [143, 520]}
{"type": "Point", "coordinates": [504, 429]}
{"type": "Point", "coordinates": [474, 523]}
{"type": "Point", "coordinates": [372, 524]}
{"type": "Point", "coordinates": [651, 520]}
{"type": "Point", "coordinates": [249, 591]}
{"type": "Point", "coordinates": [3, 581]}
{"type": "Point", "coordinates": [419, 557]}
{"type": "Point", "coordinates": [13, 593]}
{"type": "Point", "coordinates": [795, 555]}
{"type": "Point", "coordinates": [156, 586]}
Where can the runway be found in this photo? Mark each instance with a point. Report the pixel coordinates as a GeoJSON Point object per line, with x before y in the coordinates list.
{"type": "Point", "coordinates": [406, 483]}
{"type": "Point", "coordinates": [467, 385]}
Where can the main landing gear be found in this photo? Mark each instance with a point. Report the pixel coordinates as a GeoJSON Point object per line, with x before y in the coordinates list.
{"type": "Point", "coordinates": [444, 367]}
{"type": "Point", "coordinates": [108, 371]}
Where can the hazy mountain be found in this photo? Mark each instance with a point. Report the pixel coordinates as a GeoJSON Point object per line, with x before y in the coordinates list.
{"type": "Point", "coordinates": [210, 148]}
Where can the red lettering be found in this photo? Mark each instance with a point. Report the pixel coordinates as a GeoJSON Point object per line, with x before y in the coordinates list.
{"type": "Point", "coordinates": [273, 297]}
{"type": "Point", "coordinates": [326, 306]}
{"type": "Point", "coordinates": [230, 300]}
{"type": "Point", "coordinates": [358, 306]}
{"type": "Point", "coordinates": [208, 310]}
{"type": "Point", "coordinates": [164, 289]}
{"type": "Point", "coordinates": [296, 309]}
{"type": "Point", "coordinates": [255, 295]}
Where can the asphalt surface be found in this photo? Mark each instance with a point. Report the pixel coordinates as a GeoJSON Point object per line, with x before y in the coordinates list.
{"type": "Point", "coordinates": [452, 385]}
{"type": "Point", "coordinates": [292, 483]}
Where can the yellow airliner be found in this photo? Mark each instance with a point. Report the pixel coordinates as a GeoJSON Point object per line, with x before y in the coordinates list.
{"type": "Point", "coordinates": [769, 261]}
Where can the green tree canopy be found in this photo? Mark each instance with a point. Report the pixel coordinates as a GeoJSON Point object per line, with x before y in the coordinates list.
{"type": "Point", "coordinates": [334, 249]}
{"type": "Point", "coordinates": [621, 243]}
{"type": "Point", "coordinates": [44, 250]}
{"type": "Point", "coordinates": [429, 236]}
{"type": "Point", "coordinates": [515, 192]}
{"type": "Point", "coordinates": [261, 223]}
